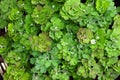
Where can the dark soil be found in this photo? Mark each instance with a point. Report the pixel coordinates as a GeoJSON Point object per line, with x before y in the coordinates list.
{"type": "Point", "coordinates": [118, 78]}
{"type": "Point", "coordinates": [117, 3]}
{"type": "Point", "coordinates": [2, 32]}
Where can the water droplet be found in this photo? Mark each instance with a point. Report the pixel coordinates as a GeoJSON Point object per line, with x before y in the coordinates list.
{"type": "Point", "coordinates": [37, 15]}
{"type": "Point", "coordinates": [23, 46]}
{"type": "Point", "coordinates": [84, 10]}
{"type": "Point", "coordinates": [97, 37]}
{"type": "Point", "coordinates": [1, 46]}
{"type": "Point", "coordinates": [18, 12]}
{"type": "Point", "coordinates": [53, 6]}
{"type": "Point", "coordinates": [19, 58]}
{"type": "Point", "coordinates": [93, 41]}
{"type": "Point", "coordinates": [31, 24]}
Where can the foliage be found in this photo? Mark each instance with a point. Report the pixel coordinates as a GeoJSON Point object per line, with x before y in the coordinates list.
{"type": "Point", "coordinates": [3, 44]}
{"type": "Point", "coordinates": [84, 35]}
{"type": "Point", "coordinates": [86, 14]}
{"type": "Point", "coordinates": [43, 42]}
{"type": "Point", "coordinates": [15, 69]}
{"type": "Point", "coordinates": [60, 39]}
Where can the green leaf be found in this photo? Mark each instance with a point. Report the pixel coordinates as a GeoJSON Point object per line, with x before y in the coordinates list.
{"type": "Point", "coordinates": [42, 14]}
{"type": "Point", "coordinates": [84, 35]}
{"type": "Point", "coordinates": [102, 6]}
{"type": "Point", "coordinates": [3, 44]}
{"type": "Point", "coordinates": [41, 43]}
{"type": "Point", "coordinates": [48, 64]}
{"type": "Point", "coordinates": [82, 71]}
{"type": "Point", "coordinates": [14, 14]}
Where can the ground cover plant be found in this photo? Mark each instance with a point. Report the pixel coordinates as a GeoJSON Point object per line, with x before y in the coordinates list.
{"type": "Point", "coordinates": [60, 39]}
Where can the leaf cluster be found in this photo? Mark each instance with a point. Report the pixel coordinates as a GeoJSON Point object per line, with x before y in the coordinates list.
{"type": "Point", "coordinates": [60, 39]}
